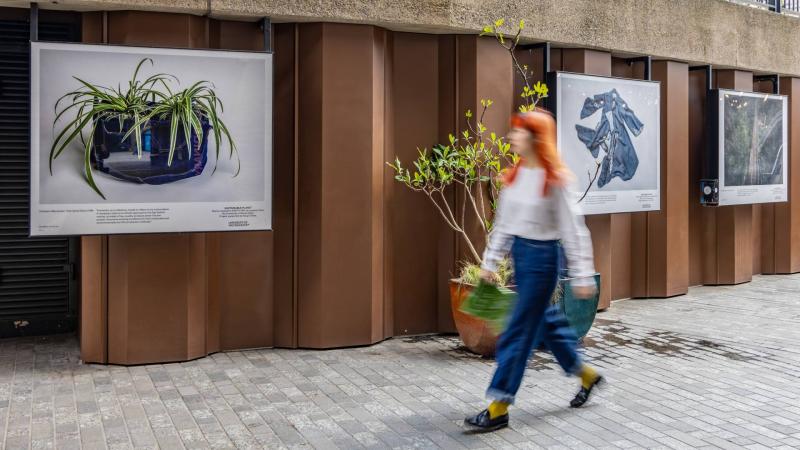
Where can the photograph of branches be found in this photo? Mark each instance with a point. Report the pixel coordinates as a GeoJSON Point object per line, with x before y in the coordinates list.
{"type": "Point", "coordinates": [753, 146]}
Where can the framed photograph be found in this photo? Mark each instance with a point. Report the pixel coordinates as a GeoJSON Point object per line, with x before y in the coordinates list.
{"type": "Point", "coordinates": [749, 146]}
{"type": "Point", "coordinates": [609, 135]}
{"type": "Point", "coordinates": [149, 140]}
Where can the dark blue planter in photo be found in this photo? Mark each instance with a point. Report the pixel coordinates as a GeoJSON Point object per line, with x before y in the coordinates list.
{"type": "Point", "coordinates": [118, 158]}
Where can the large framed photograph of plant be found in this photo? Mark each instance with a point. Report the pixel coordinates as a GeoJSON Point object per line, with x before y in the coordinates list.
{"type": "Point", "coordinates": [748, 140]}
{"type": "Point", "coordinates": [149, 140]}
{"type": "Point", "coordinates": [609, 135]}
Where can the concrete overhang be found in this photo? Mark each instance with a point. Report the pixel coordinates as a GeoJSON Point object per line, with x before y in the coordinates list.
{"type": "Point", "coordinates": [716, 32]}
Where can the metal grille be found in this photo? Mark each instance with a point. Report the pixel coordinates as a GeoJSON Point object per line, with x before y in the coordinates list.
{"type": "Point", "coordinates": [791, 6]}
{"type": "Point", "coordinates": [781, 6]}
{"type": "Point", "coordinates": [36, 276]}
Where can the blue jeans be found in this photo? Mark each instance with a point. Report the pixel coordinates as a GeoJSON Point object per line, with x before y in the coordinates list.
{"type": "Point", "coordinates": [534, 320]}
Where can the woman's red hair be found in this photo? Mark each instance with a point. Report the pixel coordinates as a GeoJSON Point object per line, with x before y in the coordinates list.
{"type": "Point", "coordinates": [543, 127]}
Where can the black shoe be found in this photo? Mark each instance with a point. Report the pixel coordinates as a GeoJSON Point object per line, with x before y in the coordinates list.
{"type": "Point", "coordinates": [484, 423]}
{"type": "Point", "coordinates": [583, 395]}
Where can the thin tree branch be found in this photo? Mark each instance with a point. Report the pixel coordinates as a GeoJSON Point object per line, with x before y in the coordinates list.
{"type": "Point", "coordinates": [481, 200]}
{"type": "Point", "coordinates": [468, 190]}
{"type": "Point", "coordinates": [591, 180]}
{"type": "Point", "coordinates": [452, 225]}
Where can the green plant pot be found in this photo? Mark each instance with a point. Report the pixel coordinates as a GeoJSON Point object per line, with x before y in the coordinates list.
{"type": "Point", "coordinates": [580, 312]}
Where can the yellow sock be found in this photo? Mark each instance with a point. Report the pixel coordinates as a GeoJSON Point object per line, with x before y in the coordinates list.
{"type": "Point", "coordinates": [497, 409]}
{"type": "Point", "coordinates": [588, 376]}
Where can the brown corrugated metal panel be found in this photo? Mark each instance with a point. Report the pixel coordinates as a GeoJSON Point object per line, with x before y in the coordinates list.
{"type": "Point", "coordinates": [779, 246]}
{"type": "Point", "coordinates": [469, 58]}
{"type": "Point", "coordinates": [534, 59]}
{"type": "Point", "coordinates": [381, 313]}
{"type": "Point", "coordinates": [668, 229]}
{"type": "Point", "coordinates": [787, 215]}
{"type": "Point", "coordinates": [94, 251]}
{"type": "Point", "coordinates": [338, 211]}
{"type": "Point", "coordinates": [759, 235]}
{"type": "Point", "coordinates": [662, 270]}
{"type": "Point", "coordinates": [153, 314]}
{"type": "Point", "coordinates": [495, 81]}
{"type": "Point", "coordinates": [214, 285]}
{"type": "Point", "coordinates": [485, 73]}
{"type": "Point", "coordinates": [284, 201]}
{"type": "Point", "coordinates": [231, 35]}
{"type": "Point", "coordinates": [157, 29]}
{"type": "Point", "coordinates": [243, 270]}
{"type": "Point", "coordinates": [700, 244]}
{"type": "Point", "coordinates": [621, 245]}
{"type": "Point", "coordinates": [412, 222]}
{"type": "Point", "coordinates": [763, 220]}
{"type": "Point", "coordinates": [604, 233]}
{"type": "Point", "coordinates": [246, 296]}
{"type": "Point", "coordinates": [448, 120]}
{"type": "Point", "coordinates": [309, 183]}
{"type": "Point", "coordinates": [94, 299]}
{"type": "Point", "coordinates": [629, 230]}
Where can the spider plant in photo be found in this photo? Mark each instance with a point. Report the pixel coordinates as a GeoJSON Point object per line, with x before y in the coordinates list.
{"type": "Point", "coordinates": [94, 104]}
{"type": "Point", "coordinates": [186, 110]}
{"type": "Point", "coordinates": [140, 109]}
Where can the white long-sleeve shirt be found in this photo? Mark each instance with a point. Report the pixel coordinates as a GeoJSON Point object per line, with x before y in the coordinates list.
{"type": "Point", "coordinates": [524, 211]}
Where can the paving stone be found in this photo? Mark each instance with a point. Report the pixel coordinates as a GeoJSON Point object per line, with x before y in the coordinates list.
{"type": "Point", "coordinates": [713, 369]}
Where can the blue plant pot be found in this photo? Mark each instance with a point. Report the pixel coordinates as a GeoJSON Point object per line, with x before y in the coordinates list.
{"type": "Point", "coordinates": [118, 157]}
{"type": "Point", "coordinates": [580, 312]}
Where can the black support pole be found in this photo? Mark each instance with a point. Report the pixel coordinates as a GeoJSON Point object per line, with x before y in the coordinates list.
{"type": "Point", "coordinates": [266, 27]}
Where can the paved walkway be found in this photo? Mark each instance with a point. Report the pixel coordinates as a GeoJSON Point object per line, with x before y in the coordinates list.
{"type": "Point", "coordinates": [719, 368]}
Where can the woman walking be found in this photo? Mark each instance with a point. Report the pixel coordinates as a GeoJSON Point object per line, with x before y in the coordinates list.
{"type": "Point", "coordinates": [535, 212]}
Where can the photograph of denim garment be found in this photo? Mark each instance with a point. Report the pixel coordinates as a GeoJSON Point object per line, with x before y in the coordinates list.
{"type": "Point", "coordinates": [609, 136]}
{"type": "Point", "coordinates": [754, 143]}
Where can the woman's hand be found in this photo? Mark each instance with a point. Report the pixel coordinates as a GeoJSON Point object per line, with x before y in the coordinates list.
{"type": "Point", "coordinates": [489, 276]}
{"type": "Point", "coordinates": [584, 292]}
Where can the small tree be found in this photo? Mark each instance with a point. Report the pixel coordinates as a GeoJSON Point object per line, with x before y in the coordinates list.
{"type": "Point", "coordinates": [472, 159]}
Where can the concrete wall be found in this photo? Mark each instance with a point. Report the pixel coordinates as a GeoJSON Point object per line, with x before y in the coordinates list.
{"type": "Point", "coordinates": [714, 32]}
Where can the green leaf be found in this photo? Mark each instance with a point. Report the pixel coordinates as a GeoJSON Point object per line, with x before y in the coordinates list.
{"type": "Point", "coordinates": [87, 167]}
{"type": "Point", "coordinates": [173, 137]}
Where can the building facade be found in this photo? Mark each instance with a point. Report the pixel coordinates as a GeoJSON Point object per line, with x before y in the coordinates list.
{"type": "Point", "coordinates": [353, 258]}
